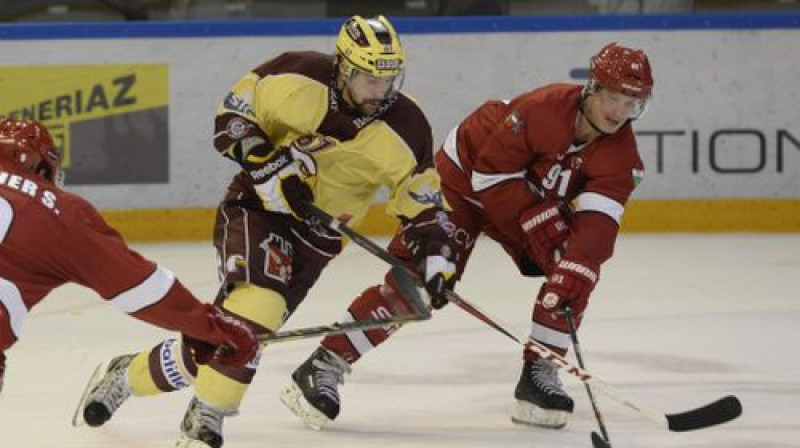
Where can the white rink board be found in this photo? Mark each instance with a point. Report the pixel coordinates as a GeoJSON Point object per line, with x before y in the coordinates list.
{"type": "Point", "coordinates": [736, 90]}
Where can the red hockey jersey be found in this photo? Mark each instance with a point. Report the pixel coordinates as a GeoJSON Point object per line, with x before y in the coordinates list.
{"type": "Point", "coordinates": [509, 155]}
{"type": "Point", "coordinates": [49, 237]}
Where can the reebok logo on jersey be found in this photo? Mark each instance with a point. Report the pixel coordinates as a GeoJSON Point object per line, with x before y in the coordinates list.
{"type": "Point", "coordinates": [270, 168]}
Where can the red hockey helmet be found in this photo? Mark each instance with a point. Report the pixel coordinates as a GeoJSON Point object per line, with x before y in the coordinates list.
{"type": "Point", "coordinates": [623, 70]}
{"type": "Point", "coordinates": [29, 144]}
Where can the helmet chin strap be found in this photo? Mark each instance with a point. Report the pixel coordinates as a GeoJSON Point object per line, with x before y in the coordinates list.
{"type": "Point", "coordinates": [589, 120]}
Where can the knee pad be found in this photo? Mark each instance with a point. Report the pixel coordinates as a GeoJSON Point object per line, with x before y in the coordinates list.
{"type": "Point", "coordinates": [225, 387]}
{"type": "Point", "coordinates": [261, 306]}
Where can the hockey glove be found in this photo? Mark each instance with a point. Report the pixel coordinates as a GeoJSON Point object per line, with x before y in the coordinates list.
{"type": "Point", "coordinates": [279, 176]}
{"type": "Point", "coordinates": [571, 283]}
{"type": "Point", "coordinates": [427, 239]}
{"type": "Point", "coordinates": [545, 234]}
{"type": "Point", "coordinates": [234, 344]}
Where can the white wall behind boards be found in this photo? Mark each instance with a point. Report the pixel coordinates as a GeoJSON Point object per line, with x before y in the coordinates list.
{"type": "Point", "coordinates": [723, 123]}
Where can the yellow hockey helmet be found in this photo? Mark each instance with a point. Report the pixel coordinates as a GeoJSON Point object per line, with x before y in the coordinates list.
{"type": "Point", "coordinates": [370, 45]}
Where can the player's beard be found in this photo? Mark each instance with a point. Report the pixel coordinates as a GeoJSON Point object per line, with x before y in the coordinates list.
{"type": "Point", "coordinates": [365, 107]}
{"type": "Point", "coordinates": [369, 107]}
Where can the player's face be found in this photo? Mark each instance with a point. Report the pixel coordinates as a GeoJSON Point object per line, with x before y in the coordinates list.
{"type": "Point", "coordinates": [610, 110]}
{"type": "Point", "coordinates": [366, 92]}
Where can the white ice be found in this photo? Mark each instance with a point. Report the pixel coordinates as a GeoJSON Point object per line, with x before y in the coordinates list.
{"type": "Point", "coordinates": [677, 321]}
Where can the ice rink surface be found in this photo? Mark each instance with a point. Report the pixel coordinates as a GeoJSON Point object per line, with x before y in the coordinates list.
{"type": "Point", "coordinates": [676, 321]}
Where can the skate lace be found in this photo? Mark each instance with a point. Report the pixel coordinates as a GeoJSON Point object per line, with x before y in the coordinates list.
{"type": "Point", "coordinates": [114, 389]}
{"type": "Point", "coordinates": [545, 376]}
{"type": "Point", "coordinates": [207, 417]}
{"type": "Point", "coordinates": [328, 374]}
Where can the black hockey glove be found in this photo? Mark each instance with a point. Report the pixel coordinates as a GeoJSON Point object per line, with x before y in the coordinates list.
{"type": "Point", "coordinates": [280, 175]}
{"type": "Point", "coordinates": [426, 238]}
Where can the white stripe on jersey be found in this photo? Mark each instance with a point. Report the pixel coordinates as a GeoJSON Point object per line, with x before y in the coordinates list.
{"type": "Point", "coordinates": [450, 148]}
{"type": "Point", "coordinates": [11, 298]}
{"type": "Point", "coordinates": [599, 203]}
{"type": "Point", "coordinates": [482, 181]}
{"type": "Point", "coordinates": [549, 336]}
{"type": "Point", "coordinates": [150, 291]}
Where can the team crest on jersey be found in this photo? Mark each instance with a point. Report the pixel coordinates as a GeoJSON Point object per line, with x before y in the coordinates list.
{"type": "Point", "coordinates": [237, 128]}
{"type": "Point", "coordinates": [514, 123]}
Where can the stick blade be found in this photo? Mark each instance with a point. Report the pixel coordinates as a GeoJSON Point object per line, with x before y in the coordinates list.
{"type": "Point", "coordinates": [721, 411]}
{"type": "Point", "coordinates": [599, 442]}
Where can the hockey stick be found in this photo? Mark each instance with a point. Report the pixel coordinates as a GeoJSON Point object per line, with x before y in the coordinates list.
{"type": "Point", "coordinates": [408, 289]}
{"type": "Point", "coordinates": [597, 440]}
{"type": "Point", "coordinates": [373, 248]}
{"type": "Point", "coordinates": [719, 411]}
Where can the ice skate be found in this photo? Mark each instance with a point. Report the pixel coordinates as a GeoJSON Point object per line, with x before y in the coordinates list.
{"type": "Point", "coordinates": [201, 426]}
{"type": "Point", "coordinates": [105, 392]}
{"type": "Point", "coordinates": [541, 400]}
{"type": "Point", "coordinates": [314, 395]}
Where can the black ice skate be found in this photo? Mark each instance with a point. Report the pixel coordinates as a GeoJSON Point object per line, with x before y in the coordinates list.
{"type": "Point", "coordinates": [314, 393]}
{"type": "Point", "coordinates": [202, 426]}
{"type": "Point", "coordinates": [541, 401]}
{"type": "Point", "coordinates": [105, 392]}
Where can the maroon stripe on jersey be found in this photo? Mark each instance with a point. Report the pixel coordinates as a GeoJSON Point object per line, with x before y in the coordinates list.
{"type": "Point", "coordinates": [410, 123]}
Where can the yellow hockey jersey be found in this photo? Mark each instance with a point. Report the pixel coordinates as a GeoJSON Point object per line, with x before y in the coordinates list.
{"type": "Point", "coordinates": [294, 95]}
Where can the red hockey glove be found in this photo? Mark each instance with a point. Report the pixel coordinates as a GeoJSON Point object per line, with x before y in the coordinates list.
{"type": "Point", "coordinates": [427, 239]}
{"type": "Point", "coordinates": [571, 283]}
{"type": "Point", "coordinates": [234, 343]}
{"type": "Point", "coordinates": [280, 175]}
{"type": "Point", "coordinates": [545, 233]}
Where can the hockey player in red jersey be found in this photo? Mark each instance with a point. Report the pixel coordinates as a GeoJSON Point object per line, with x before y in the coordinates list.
{"type": "Point", "coordinates": [547, 176]}
{"type": "Point", "coordinates": [49, 237]}
{"type": "Point", "coordinates": [306, 126]}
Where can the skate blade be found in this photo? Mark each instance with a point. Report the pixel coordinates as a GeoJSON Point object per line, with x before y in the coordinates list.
{"type": "Point", "coordinates": [187, 442]}
{"type": "Point", "coordinates": [292, 397]}
{"type": "Point", "coordinates": [529, 414]}
{"type": "Point", "coordinates": [97, 375]}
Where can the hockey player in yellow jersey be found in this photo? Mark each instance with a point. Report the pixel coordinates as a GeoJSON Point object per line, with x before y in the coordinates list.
{"type": "Point", "coordinates": [304, 127]}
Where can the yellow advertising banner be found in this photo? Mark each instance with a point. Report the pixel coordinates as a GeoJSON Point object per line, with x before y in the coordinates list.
{"type": "Point", "coordinates": [111, 111]}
